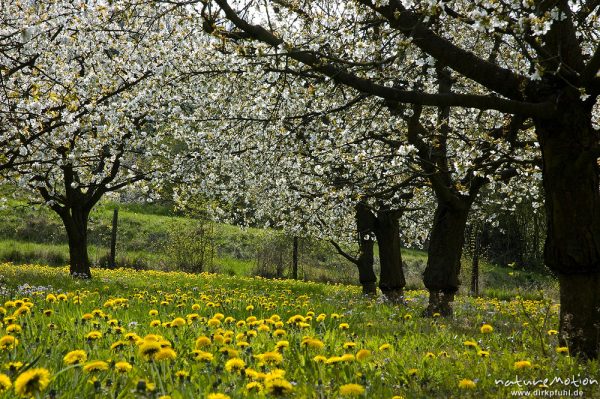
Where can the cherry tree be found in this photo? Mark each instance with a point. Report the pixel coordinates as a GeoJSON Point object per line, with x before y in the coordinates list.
{"type": "Point", "coordinates": [88, 96]}
{"type": "Point", "coordinates": [546, 71]}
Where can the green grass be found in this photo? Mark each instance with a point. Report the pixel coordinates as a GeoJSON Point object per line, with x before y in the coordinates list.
{"type": "Point", "coordinates": [425, 358]}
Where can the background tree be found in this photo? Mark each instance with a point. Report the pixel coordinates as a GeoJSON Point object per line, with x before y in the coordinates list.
{"type": "Point", "coordinates": [101, 78]}
{"type": "Point", "coordinates": [547, 72]}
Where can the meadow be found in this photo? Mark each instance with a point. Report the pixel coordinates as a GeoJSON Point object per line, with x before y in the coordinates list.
{"type": "Point", "coordinates": [156, 334]}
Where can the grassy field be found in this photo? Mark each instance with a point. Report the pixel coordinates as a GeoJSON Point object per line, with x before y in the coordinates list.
{"type": "Point", "coordinates": [152, 334]}
{"type": "Point", "coordinates": [154, 237]}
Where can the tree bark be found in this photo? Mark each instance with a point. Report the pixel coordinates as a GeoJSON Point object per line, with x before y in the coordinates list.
{"type": "Point", "coordinates": [391, 278]}
{"type": "Point", "coordinates": [113, 240]}
{"type": "Point", "coordinates": [365, 226]}
{"type": "Point", "coordinates": [475, 265]}
{"type": "Point", "coordinates": [444, 254]}
{"type": "Point", "coordinates": [295, 258]}
{"type": "Point", "coordinates": [75, 220]}
{"type": "Point", "coordinates": [570, 148]}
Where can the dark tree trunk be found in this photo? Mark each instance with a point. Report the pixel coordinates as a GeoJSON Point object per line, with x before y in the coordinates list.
{"type": "Point", "coordinates": [364, 262]}
{"type": "Point", "coordinates": [444, 254]}
{"type": "Point", "coordinates": [112, 263]}
{"type": "Point", "coordinates": [391, 278]}
{"type": "Point", "coordinates": [569, 150]}
{"type": "Point", "coordinates": [295, 258]}
{"type": "Point", "coordinates": [75, 221]}
{"type": "Point", "coordinates": [475, 265]}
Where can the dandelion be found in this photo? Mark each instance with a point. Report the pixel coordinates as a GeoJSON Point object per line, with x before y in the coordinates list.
{"type": "Point", "coordinates": [217, 396]}
{"type": "Point", "coordinates": [32, 382]}
{"type": "Point", "coordinates": [483, 353]}
{"type": "Point", "coordinates": [466, 384]}
{"type": "Point", "coordinates": [278, 386]}
{"type": "Point", "coordinates": [149, 348]}
{"type": "Point", "coordinates": [165, 354]}
{"type": "Point", "coordinates": [385, 347]}
{"type": "Point", "coordinates": [470, 344]}
{"type": "Point", "coordinates": [5, 383]}
{"type": "Point", "coordinates": [93, 335]}
{"type": "Point", "coordinates": [363, 354]}
{"type": "Point", "coordinates": [123, 367]}
{"type": "Point", "coordinates": [13, 367]}
{"type": "Point", "coordinates": [8, 342]}
{"type": "Point", "coordinates": [235, 365]}
{"type": "Point", "coordinates": [254, 386]}
{"type": "Point", "coordinates": [522, 364]}
{"type": "Point", "coordinates": [486, 329]}
{"type": "Point", "coordinates": [430, 355]}
{"type": "Point", "coordinates": [75, 357]}
{"type": "Point", "coordinates": [202, 356]}
{"type": "Point", "coordinates": [178, 322]}
{"type": "Point", "coordinates": [153, 312]}
{"type": "Point", "coordinates": [552, 332]}
{"type": "Point", "coordinates": [280, 345]}
{"type": "Point", "coordinates": [270, 358]}
{"type": "Point", "coordinates": [352, 390]}
{"type": "Point", "coordinates": [95, 366]}
{"type": "Point", "coordinates": [412, 372]}
{"type": "Point", "coordinates": [344, 326]}
{"type": "Point", "coordinates": [319, 359]}
{"type": "Point", "coordinates": [182, 375]}
{"type": "Point", "coordinates": [203, 341]}
{"type": "Point", "coordinates": [562, 350]}
{"type": "Point", "coordinates": [312, 343]}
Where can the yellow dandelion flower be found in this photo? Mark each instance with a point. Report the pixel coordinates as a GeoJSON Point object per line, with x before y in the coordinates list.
{"type": "Point", "coordinates": [8, 342]}
{"type": "Point", "coordinates": [280, 345]}
{"type": "Point", "coordinates": [349, 345]}
{"type": "Point", "coordinates": [562, 350]}
{"type": "Point", "coordinates": [412, 372]}
{"type": "Point", "coordinates": [270, 358]}
{"type": "Point", "coordinates": [483, 353]}
{"type": "Point", "coordinates": [5, 383]}
{"type": "Point", "coordinates": [552, 332]}
{"type": "Point", "coordinates": [363, 354]}
{"type": "Point", "coordinates": [182, 374]}
{"type": "Point", "coordinates": [385, 347]}
{"type": "Point", "coordinates": [486, 329]}
{"type": "Point", "coordinates": [13, 367]}
{"type": "Point", "coordinates": [470, 344]}
{"type": "Point", "coordinates": [32, 382]}
{"type": "Point", "coordinates": [95, 366]}
{"type": "Point", "coordinates": [522, 364]}
{"type": "Point", "coordinates": [178, 322]}
{"type": "Point", "coordinates": [344, 326]}
{"type": "Point", "coordinates": [149, 348]}
{"type": "Point", "coordinates": [153, 312]}
{"type": "Point", "coordinates": [217, 396]}
{"type": "Point", "coordinates": [319, 359]}
{"type": "Point", "coordinates": [202, 356]}
{"type": "Point", "coordinates": [93, 335]}
{"type": "Point", "coordinates": [235, 365]}
{"type": "Point", "coordinates": [123, 367]}
{"type": "Point", "coordinates": [165, 354]}
{"type": "Point", "coordinates": [430, 355]}
{"type": "Point", "coordinates": [466, 384]}
{"type": "Point", "coordinates": [75, 357]}
{"type": "Point", "coordinates": [352, 390]}
{"type": "Point", "coordinates": [254, 386]}
{"type": "Point", "coordinates": [13, 329]}
{"type": "Point", "coordinates": [278, 386]}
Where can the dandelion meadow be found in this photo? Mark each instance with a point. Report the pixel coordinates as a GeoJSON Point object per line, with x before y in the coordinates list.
{"type": "Point", "coordinates": [150, 334]}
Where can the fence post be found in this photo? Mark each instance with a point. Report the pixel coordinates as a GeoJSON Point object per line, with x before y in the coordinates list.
{"type": "Point", "coordinates": [113, 239]}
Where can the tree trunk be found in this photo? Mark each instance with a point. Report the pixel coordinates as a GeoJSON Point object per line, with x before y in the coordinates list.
{"type": "Point", "coordinates": [365, 226]}
{"type": "Point", "coordinates": [444, 254]}
{"type": "Point", "coordinates": [75, 221]}
{"type": "Point", "coordinates": [295, 258]}
{"type": "Point", "coordinates": [475, 265]}
{"type": "Point", "coordinates": [113, 240]}
{"type": "Point", "coordinates": [391, 278]}
{"type": "Point", "coordinates": [569, 147]}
